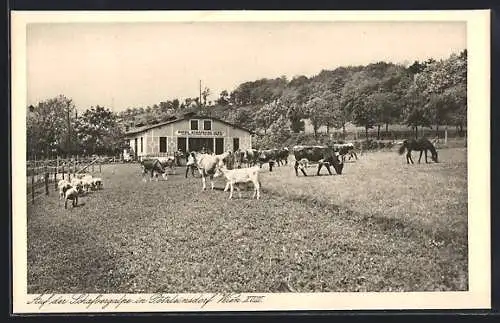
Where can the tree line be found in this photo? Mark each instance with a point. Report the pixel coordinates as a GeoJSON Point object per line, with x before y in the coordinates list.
{"type": "Point", "coordinates": [430, 93]}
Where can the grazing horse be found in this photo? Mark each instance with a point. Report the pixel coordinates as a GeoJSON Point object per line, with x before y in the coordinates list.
{"type": "Point", "coordinates": [155, 167]}
{"type": "Point", "coordinates": [207, 165]}
{"type": "Point", "coordinates": [421, 145]}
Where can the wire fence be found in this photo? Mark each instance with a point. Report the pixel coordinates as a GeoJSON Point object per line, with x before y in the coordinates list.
{"type": "Point", "coordinates": [41, 175]}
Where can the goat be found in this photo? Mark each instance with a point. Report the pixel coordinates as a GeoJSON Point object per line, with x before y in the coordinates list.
{"type": "Point", "coordinates": [240, 175]}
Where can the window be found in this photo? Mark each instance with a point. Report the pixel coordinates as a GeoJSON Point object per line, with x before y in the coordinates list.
{"type": "Point", "coordinates": [141, 145]}
{"type": "Point", "coordinates": [163, 144]}
{"type": "Point", "coordinates": [194, 124]}
{"type": "Point", "coordinates": [236, 144]}
{"type": "Point", "coordinates": [207, 124]}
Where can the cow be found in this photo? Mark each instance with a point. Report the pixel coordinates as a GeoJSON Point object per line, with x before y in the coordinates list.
{"type": "Point", "coordinates": [323, 155]}
{"type": "Point", "coordinates": [238, 156]}
{"type": "Point", "coordinates": [267, 156]}
{"type": "Point", "coordinates": [250, 157]}
{"type": "Point", "coordinates": [240, 176]}
{"type": "Point", "coordinates": [207, 165]}
{"type": "Point", "coordinates": [154, 167]}
{"type": "Point", "coordinates": [168, 163]}
{"type": "Point", "coordinates": [346, 149]}
{"type": "Point", "coordinates": [282, 156]}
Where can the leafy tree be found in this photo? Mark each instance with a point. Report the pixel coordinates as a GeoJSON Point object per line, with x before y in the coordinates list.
{"type": "Point", "coordinates": [223, 98]}
{"type": "Point", "coordinates": [50, 127]}
{"type": "Point", "coordinates": [268, 114]}
{"type": "Point", "coordinates": [205, 94]}
{"type": "Point", "coordinates": [98, 131]}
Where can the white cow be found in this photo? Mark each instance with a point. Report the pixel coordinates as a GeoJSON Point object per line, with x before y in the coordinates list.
{"type": "Point", "coordinates": [207, 165]}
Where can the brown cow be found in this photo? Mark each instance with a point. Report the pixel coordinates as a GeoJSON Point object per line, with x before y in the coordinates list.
{"type": "Point", "coordinates": [323, 155]}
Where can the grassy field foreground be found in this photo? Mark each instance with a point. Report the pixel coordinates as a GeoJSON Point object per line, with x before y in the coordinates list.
{"type": "Point", "coordinates": [382, 225]}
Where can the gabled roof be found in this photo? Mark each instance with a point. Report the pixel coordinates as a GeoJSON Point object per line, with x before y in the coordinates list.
{"type": "Point", "coordinates": [186, 116]}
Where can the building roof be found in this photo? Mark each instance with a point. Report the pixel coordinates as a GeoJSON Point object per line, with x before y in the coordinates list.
{"type": "Point", "coordinates": [186, 116]}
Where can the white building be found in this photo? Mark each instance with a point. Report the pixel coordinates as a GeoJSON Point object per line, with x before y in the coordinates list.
{"type": "Point", "coordinates": [188, 133]}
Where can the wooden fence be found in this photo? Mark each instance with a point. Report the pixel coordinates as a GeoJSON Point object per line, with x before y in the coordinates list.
{"type": "Point", "coordinates": [41, 175]}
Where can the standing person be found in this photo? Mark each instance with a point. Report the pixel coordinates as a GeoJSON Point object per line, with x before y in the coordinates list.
{"type": "Point", "coordinates": [190, 164]}
{"type": "Point", "coordinates": [177, 155]}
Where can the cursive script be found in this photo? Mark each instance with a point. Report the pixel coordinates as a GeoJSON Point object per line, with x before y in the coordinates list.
{"type": "Point", "coordinates": [104, 301]}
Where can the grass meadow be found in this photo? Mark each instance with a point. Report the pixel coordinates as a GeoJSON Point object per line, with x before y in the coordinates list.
{"type": "Point", "coordinates": [382, 225]}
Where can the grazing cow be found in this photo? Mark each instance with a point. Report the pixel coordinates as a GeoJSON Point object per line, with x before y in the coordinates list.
{"type": "Point", "coordinates": [207, 165]}
{"type": "Point", "coordinates": [267, 156]}
{"type": "Point", "coordinates": [155, 167]}
{"type": "Point", "coordinates": [346, 149]}
{"type": "Point", "coordinates": [168, 163]}
{"type": "Point", "coordinates": [71, 194]}
{"type": "Point", "coordinates": [323, 155]}
{"type": "Point", "coordinates": [240, 176]}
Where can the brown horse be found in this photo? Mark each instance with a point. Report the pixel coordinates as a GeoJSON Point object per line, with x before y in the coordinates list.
{"type": "Point", "coordinates": [421, 145]}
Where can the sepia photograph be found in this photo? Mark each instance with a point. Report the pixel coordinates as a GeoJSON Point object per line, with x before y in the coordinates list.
{"type": "Point", "coordinates": [218, 160]}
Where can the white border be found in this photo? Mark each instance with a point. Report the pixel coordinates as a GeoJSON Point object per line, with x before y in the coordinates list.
{"type": "Point", "coordinates": [478, 45]}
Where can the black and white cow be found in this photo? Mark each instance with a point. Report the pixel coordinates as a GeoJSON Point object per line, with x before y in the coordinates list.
{"type": "Point", "coordinates": [323, 155]}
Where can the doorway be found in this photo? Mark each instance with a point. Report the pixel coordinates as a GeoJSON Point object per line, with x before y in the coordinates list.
{"type": "Point", "coordinates": [196, 144]}
{"type": "Point", "coordinates": [219, 146]}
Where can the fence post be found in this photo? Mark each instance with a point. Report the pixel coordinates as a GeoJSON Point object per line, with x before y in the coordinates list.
{"type": "Point", "coordinates": [92, 167]}
{"type": "Point", "coordinates": [32, 188]}
{"type": "Point", "coordinates": [55, 173]}
{"type": "Point", "coordinates": [46, 182]}
{"type": "Point", "coordinates": [99, 165]}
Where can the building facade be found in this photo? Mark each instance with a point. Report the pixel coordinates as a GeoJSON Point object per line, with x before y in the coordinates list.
{"type": "Point", "coordinates": [190, 133]}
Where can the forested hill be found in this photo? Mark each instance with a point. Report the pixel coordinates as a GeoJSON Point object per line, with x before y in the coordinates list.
{"type": "Point", "coordinates": [428, 93]}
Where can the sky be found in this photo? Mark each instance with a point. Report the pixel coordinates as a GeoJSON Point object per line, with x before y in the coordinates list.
{"type": "Point", "coordinates": [121, 65]}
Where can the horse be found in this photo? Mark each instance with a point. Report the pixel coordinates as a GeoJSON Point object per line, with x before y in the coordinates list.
{"type": "Point", "coordinates": [422, 145]}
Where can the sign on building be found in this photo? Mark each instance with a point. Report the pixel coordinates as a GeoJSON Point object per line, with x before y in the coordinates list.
{"type": "Point", "coordinates": [200, 133]}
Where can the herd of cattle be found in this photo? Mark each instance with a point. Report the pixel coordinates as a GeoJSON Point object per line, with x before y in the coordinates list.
{"type": "Point", "coordinates": [231, 164]}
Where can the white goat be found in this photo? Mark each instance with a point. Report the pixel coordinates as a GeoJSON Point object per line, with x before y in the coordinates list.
{"type": "Point", "coordinates": [240, 175]}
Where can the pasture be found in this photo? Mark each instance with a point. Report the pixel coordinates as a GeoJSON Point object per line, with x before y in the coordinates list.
{"type": "Point", "coordinates": [382, 225]}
